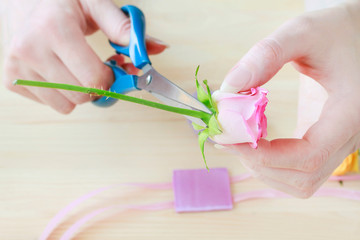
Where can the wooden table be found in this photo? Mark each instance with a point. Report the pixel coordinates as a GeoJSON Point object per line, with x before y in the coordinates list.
{"type": "Point", "coordinates": [47, 159]}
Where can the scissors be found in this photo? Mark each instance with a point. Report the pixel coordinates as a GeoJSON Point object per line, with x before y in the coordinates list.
{"type": "Point", "coordinates": [151, 81]}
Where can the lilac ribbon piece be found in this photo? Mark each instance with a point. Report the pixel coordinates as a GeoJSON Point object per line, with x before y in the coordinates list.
{"type": "Point", "coordinates": [199, 190]}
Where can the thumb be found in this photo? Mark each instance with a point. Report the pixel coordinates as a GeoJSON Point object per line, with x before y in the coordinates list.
{"type": "Point", "coordinates": [116, 25]}
{"type": "Point", "coordinates": [267, 57]}
{"type": "Point", "coordinates": [111, 20]}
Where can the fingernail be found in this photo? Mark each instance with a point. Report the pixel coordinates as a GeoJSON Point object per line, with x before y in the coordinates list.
{"type": "Point", "coordinates": [225, 87]}
{"type": "Point", "coordinates": [157, 41]}
{"type": "Point", "coordinates": [218, 146]}
{"type": "Point", "coordinates": [236, 79]}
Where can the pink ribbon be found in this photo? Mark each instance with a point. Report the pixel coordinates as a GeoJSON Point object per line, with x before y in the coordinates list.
{"type": "Point", "coordinates": [114, 209]}
{"type": "Point", "coordinates": [345, 178]}
{"type": "Point", "coordinates": [76, 227]}
{"type": "Point", "coordinates": [322, 192]}
{"type": "Point", "coordinates": [59, 217]}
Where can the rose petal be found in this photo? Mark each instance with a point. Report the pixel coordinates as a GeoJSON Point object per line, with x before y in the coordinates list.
{"type": "Point", "coordinates": [241, 116]}
{"type": "Point", "coordinates": [233, 122]}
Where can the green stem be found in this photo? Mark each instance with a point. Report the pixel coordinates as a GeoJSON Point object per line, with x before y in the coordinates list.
{"type": "Point", "coordinates": [192, 113]}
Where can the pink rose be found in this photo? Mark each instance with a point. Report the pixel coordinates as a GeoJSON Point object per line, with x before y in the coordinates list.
{"type": "Point", "coordinates": [241, 116]}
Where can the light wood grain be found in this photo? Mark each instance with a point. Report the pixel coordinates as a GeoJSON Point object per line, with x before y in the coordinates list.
{"type": "Point", "coordinates": [48, 159]}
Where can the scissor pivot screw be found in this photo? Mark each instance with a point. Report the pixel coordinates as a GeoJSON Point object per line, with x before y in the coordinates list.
{"type": "Point", "coordinates": [148, 79]}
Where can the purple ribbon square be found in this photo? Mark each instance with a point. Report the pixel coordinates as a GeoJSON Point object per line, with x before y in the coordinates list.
{"type": "Point", "coordinates": [198, 190]}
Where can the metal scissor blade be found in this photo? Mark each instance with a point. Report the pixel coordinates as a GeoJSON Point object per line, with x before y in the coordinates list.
{"type": "Point", "coordinates": [155, 83]}
{"type": "Point", "coordinates": [177, 104]}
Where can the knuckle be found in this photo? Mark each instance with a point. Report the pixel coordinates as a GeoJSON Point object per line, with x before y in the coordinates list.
{"type": "Point", "coordinates": [44, 26]}
{"type": "Point", "coordinates": [317, 161]}
{"type": "Point", "coordinates": [50, 19]}
{"type": "Point", "coordinates": [308, 183]}
{"type": "Point", "coordinates": [9, 70]}
{"type": "Point", "coordinates": [303, 23]}
{"type": "Point", "coordinates": [254, 167]}
{"type": "Point", "coordinates": [98, 77]}
{"type": "Point", "coordinates": [66, 108]}
{"type": "Point", "coordinates": [123, 26]}
{"type": "Point", "coordinates": [107, 76]}
{"type": "Point", "coordinates": [260, 177]}
{"type": "Point", "coordinates": [24, 46]}
{"type": "Point", "coordinates": [20, 48]}
{"type": "Point", "coordinates": [9, 85]}
{"type": "Point", "coordinates": [49, 27]}
{"type": "Point", "coordinates": [120, 31]}
{"type": "Point", "coordinates": [270, 49]}
{"type": "Point", "coordinates": [262, 160]}
{"type": "Point", "coordinates": [80, 98]}
{"type": "Point", "coordinates": [91, 80]}
{"type": "Point", "coordinates": [305, 194]}
{"type": "Point", "coordinates": [303, 27]}
{"type": "Point", "coordinates": [249, 166]}
{"type": "Point", "coordinates": [47, 22]}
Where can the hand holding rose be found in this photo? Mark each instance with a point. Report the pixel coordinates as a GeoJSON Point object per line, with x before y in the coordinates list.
{"type": "Point", "coordinates": [325, 46]}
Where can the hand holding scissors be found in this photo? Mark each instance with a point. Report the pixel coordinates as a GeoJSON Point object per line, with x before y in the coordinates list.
{"type": "Point", "coordinates": [45, 41]}
{"type": "Point", "coordinates": [151, 81]}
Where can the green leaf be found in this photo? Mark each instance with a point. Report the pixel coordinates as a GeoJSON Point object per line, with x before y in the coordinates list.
{"type": "Point", "coordinates": [214, 128]}
{"type": "Point", "coordinates": [212, 104]}
{"type": "Point", "coordinates": [197, 127]}
{"type": "Point", "coordinates": [203, 136]}
{"type": "Point", "coordinates": [196, 71]}
{"type": "Point", "coordinates": [201, 93]}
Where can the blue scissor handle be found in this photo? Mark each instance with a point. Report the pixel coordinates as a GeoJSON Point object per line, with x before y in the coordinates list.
{"type": "Point", "coordinates": [123, 83]}
{"type": "Point", "coordinates": [136, 49]}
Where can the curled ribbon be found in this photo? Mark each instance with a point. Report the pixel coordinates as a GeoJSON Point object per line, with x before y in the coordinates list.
{"type": "Point", "coordinates": [114, 209]}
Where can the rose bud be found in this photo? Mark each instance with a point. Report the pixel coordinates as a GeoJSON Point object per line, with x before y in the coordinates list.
{"type": "Point", "coordinates": [241, 116]}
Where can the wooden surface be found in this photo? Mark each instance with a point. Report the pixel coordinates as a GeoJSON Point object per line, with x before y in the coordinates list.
{"type": "Point", "coordinates": [48, 159]}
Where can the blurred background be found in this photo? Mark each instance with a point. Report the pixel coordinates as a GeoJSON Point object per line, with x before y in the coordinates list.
{"type": "Point", "coordinates": [48, 159]}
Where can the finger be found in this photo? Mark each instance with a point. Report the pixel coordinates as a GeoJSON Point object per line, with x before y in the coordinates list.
{"type": "Point", "coordinates": [118, 58]}
{"type": "Point", "coordinates": [306, 183]}
{"type": "Point", "coordinates": [281, 186]}
{"type": "Point", "coordinates": [155, 46]}
{"type": "Point", "coordinates": [327, 133]}
{"type": "Point", "coordinates": [280, 179]}
{"type": "Point", "coordinates": [130, 68]}
{"type": "Point", "coordinates": [23, 91]}
{"type": "Point", "coordinates": [59, 73]}
{"type": "Point", "coordinates": [12, 72]}
{"type": "Point", "coordinates": [78, 57]}
{"type": "Point", "coordinates": [116, 26]}
{"type": "Point", "coordinates": [40, 58]}
{"type": "Point", "coordinates": [312, 98]}
{"type": "Point", "coordinates": [278, 153]}
{"type": "Point", "coordinates": [274, 182]}
{"type": "Point", "coordinates": [51, 97]}
{"type": "Point", "coordinates": [295, 154]}
{"type": "Point", "coordinates": [111, 20]}
{"type": "Point", "coordinates": [266, 58]}
{"type": "Point", "coordinates": [268, 179]}
{"type": "Point", "coordinates": [120, 61]}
